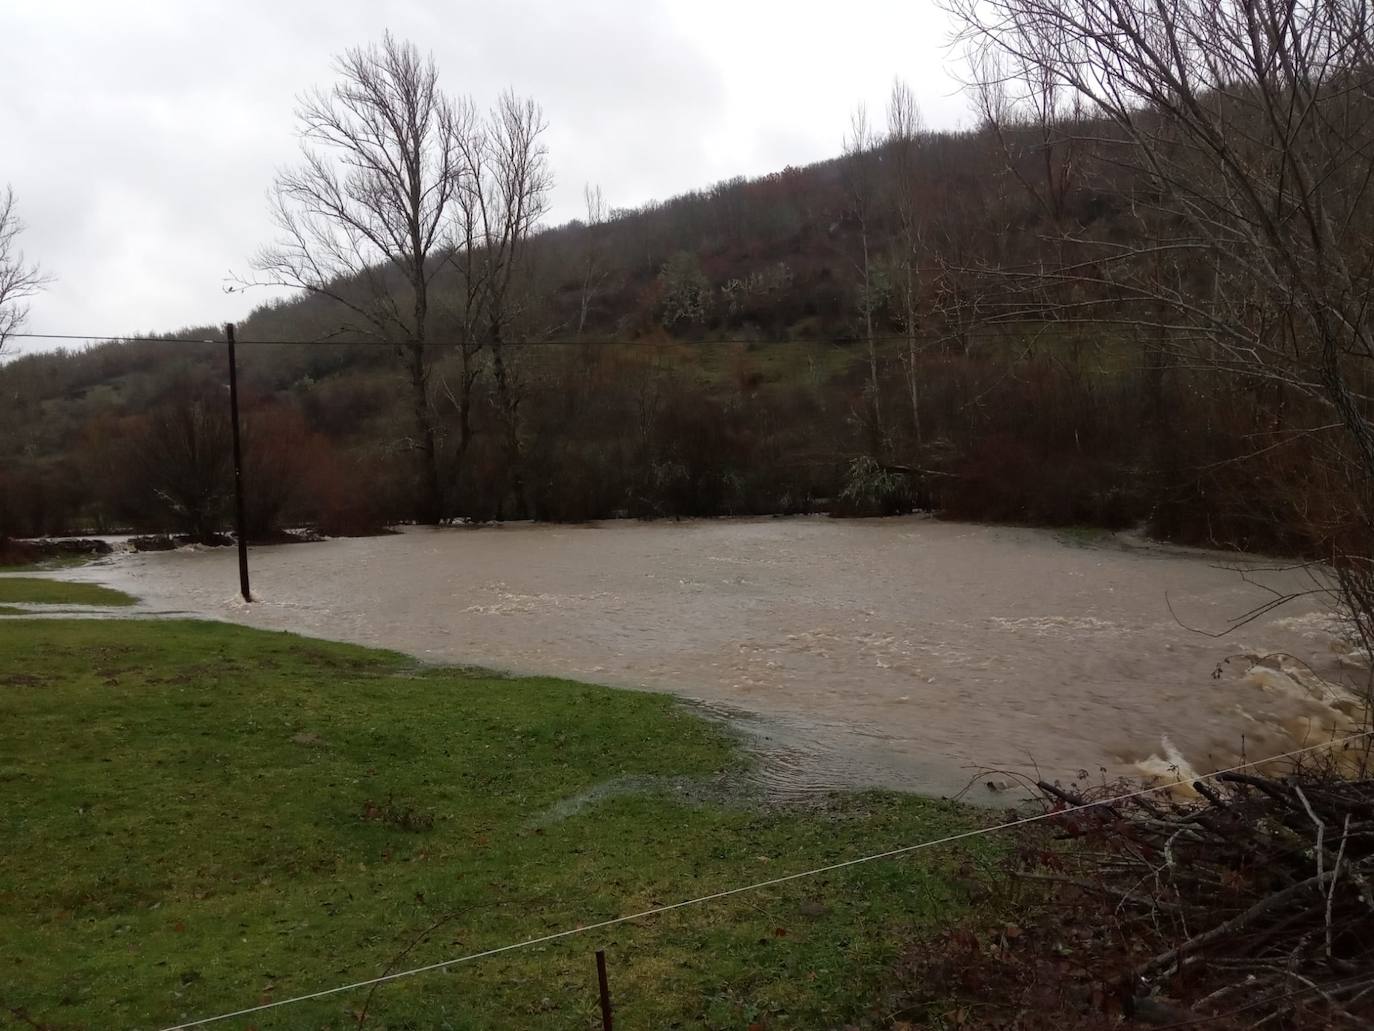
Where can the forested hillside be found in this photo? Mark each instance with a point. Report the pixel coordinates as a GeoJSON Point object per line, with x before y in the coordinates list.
{"type": "Point", "coordinates": [870, 334]}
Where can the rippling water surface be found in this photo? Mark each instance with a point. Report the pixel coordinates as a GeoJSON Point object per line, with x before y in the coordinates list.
{"type": "Point", "coordinates": [902, 652]}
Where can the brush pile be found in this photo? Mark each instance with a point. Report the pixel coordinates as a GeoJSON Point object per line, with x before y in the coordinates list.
{"type": "Point", "coordinates": [1253, 900]}
{"type": "Point", "coordinates": [1249, 903]}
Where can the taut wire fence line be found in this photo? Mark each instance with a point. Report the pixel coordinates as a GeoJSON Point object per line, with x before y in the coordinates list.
{"type": "Point", "coordinates": [759, 885]}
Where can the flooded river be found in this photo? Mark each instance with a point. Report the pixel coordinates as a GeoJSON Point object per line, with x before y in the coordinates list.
{"type": "Point", "coordinates": [903, 652]}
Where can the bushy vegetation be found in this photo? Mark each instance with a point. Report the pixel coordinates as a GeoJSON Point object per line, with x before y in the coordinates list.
{"type": "Point", "coordinates": [133, 436]}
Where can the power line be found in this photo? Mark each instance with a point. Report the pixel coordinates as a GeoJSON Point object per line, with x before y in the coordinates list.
{"type": "Point", "coordinates": [657, 910]}
{"type": "Point", "coordinates": [115, 338]}
{"type": "Point", "coordinates": [112, 338]}
{"type": "Point", "coordinates": [552, 342]}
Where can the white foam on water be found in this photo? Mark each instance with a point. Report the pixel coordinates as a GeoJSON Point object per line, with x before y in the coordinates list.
{"type": "Point", "coordinates": [1171, 769]}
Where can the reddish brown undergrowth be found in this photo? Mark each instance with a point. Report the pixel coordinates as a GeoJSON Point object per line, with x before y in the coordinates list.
{"type": "Point", "coordinates": [1247, 906]}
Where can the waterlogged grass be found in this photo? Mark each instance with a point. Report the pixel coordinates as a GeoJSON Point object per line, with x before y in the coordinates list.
{"type": "Point", "coordinates": [1085, 536]}
{"type": "Point", "coordinates": [34, 590]}
{"type": "Point", "coordinates": [200, 817]}
{"type": "Point", "coordinates": [43, 565]}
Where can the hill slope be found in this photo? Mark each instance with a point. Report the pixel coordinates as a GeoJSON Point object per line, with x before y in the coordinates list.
{"type": "Point", "coordinates": [702, 356]}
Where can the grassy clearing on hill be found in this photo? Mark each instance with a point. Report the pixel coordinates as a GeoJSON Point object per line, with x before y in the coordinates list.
{"type": "Point", "coordinates": [33, 590]}
{"type": "Point", "coordinates": [200, 817]}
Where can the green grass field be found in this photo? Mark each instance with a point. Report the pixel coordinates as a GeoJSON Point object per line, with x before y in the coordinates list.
{"type": "Point", "coordinates": [33, 590]}
{"type": "Point", "coordinates": [199, 818]}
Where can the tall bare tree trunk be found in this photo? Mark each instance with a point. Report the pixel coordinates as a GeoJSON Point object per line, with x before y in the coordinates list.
{"type": "Point", "coordinates": [429, 499]}
{"type": "Point", "coordinates": [508, 401]}
{"type": "Point", "coordinates": [511, 182]}
{"type": "Point", "coordinates": [875, 403]}
{"type": "Point", "coordinates": [904, 129]}
{"type": "Point", "coordinates": [913, 380]}
{"type": "Point", "coordinates": [860, 155]}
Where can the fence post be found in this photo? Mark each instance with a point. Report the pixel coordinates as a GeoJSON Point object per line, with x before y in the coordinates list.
{"type": "Point", "coordinates": [605, 989]}
{"type": "Point", "coordinates": [238, 465]}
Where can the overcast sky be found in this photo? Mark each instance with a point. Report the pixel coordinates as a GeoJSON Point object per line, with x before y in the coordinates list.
{"type": "Point", "coordinates": [141, 137]}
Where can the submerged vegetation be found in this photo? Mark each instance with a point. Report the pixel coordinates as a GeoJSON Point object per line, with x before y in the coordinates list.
{"type": "Point", "coordinates": [200, 817]}
{"type": "Point", "coordinates": [43, 591]}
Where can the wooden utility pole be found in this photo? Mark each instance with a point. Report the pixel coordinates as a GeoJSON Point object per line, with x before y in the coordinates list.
{"type": "Point", "coordinates": [238, 465]}
{"type": "Point", "coordinates": [604, 988]}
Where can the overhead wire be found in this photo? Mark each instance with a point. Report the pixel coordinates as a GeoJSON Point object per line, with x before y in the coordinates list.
{"type": "Point", "coordinates": [116, 338]}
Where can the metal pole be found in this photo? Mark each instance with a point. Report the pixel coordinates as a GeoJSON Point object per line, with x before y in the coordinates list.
{"type": "Point", "coordinates": [605, 989]}
{"type": "Point", "coordinates": [238, 465]}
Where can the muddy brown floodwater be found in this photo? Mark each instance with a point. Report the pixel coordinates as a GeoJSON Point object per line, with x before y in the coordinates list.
{"type": "Point", "coordinates": [902, 652]}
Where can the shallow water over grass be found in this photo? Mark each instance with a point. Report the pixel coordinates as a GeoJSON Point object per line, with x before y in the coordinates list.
{"type": "Point", "coordinates": [42, 590]}
{"type": "Point", "coordinates": [901, 652]}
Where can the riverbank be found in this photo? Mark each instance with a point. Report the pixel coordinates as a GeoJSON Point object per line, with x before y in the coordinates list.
{"type": "Point", "coordinates": [201, 817]}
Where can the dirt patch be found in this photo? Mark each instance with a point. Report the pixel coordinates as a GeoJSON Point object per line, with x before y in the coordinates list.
{"type": "Point", "coordinates": [23, 680]}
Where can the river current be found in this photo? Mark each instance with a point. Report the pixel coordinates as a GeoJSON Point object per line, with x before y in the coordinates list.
{"type": "Point", "coordinates": [904, 653]}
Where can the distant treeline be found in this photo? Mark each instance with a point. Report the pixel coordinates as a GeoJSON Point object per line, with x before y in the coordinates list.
{"type": "Point", "coordinates": [851, 337]}
{"type": "Point", "coordinates": [1037, 429]}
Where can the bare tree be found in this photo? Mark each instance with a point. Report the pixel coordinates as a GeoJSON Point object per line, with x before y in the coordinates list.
{"type": "Point", "coordinates": [861, 183]}
{"type": "Point", "coordinates": [593, 256]}
{"type": "Point", "coordinates": [466, 255]}
{"type": "Point", "coordinates": [1034, 119]}
{"type": "Point", "coordinates": [365, 219]}
{"type": "Point", "coordinates": [506, 195]}
{"type": "Point", "coordinates": [1241, 134]}
{"type": "Point", "coordinates": [181, 460]}
{"type": "Point", "coordinates": [19, 279]}
{"type": "Point", "coordinates": [904, 128]}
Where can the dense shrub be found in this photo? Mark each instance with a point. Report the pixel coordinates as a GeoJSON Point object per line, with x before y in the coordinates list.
{"type": "Point", "coordinates": [871, 489]}
{"type": "Point", "coordinates": [1064, 434]}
